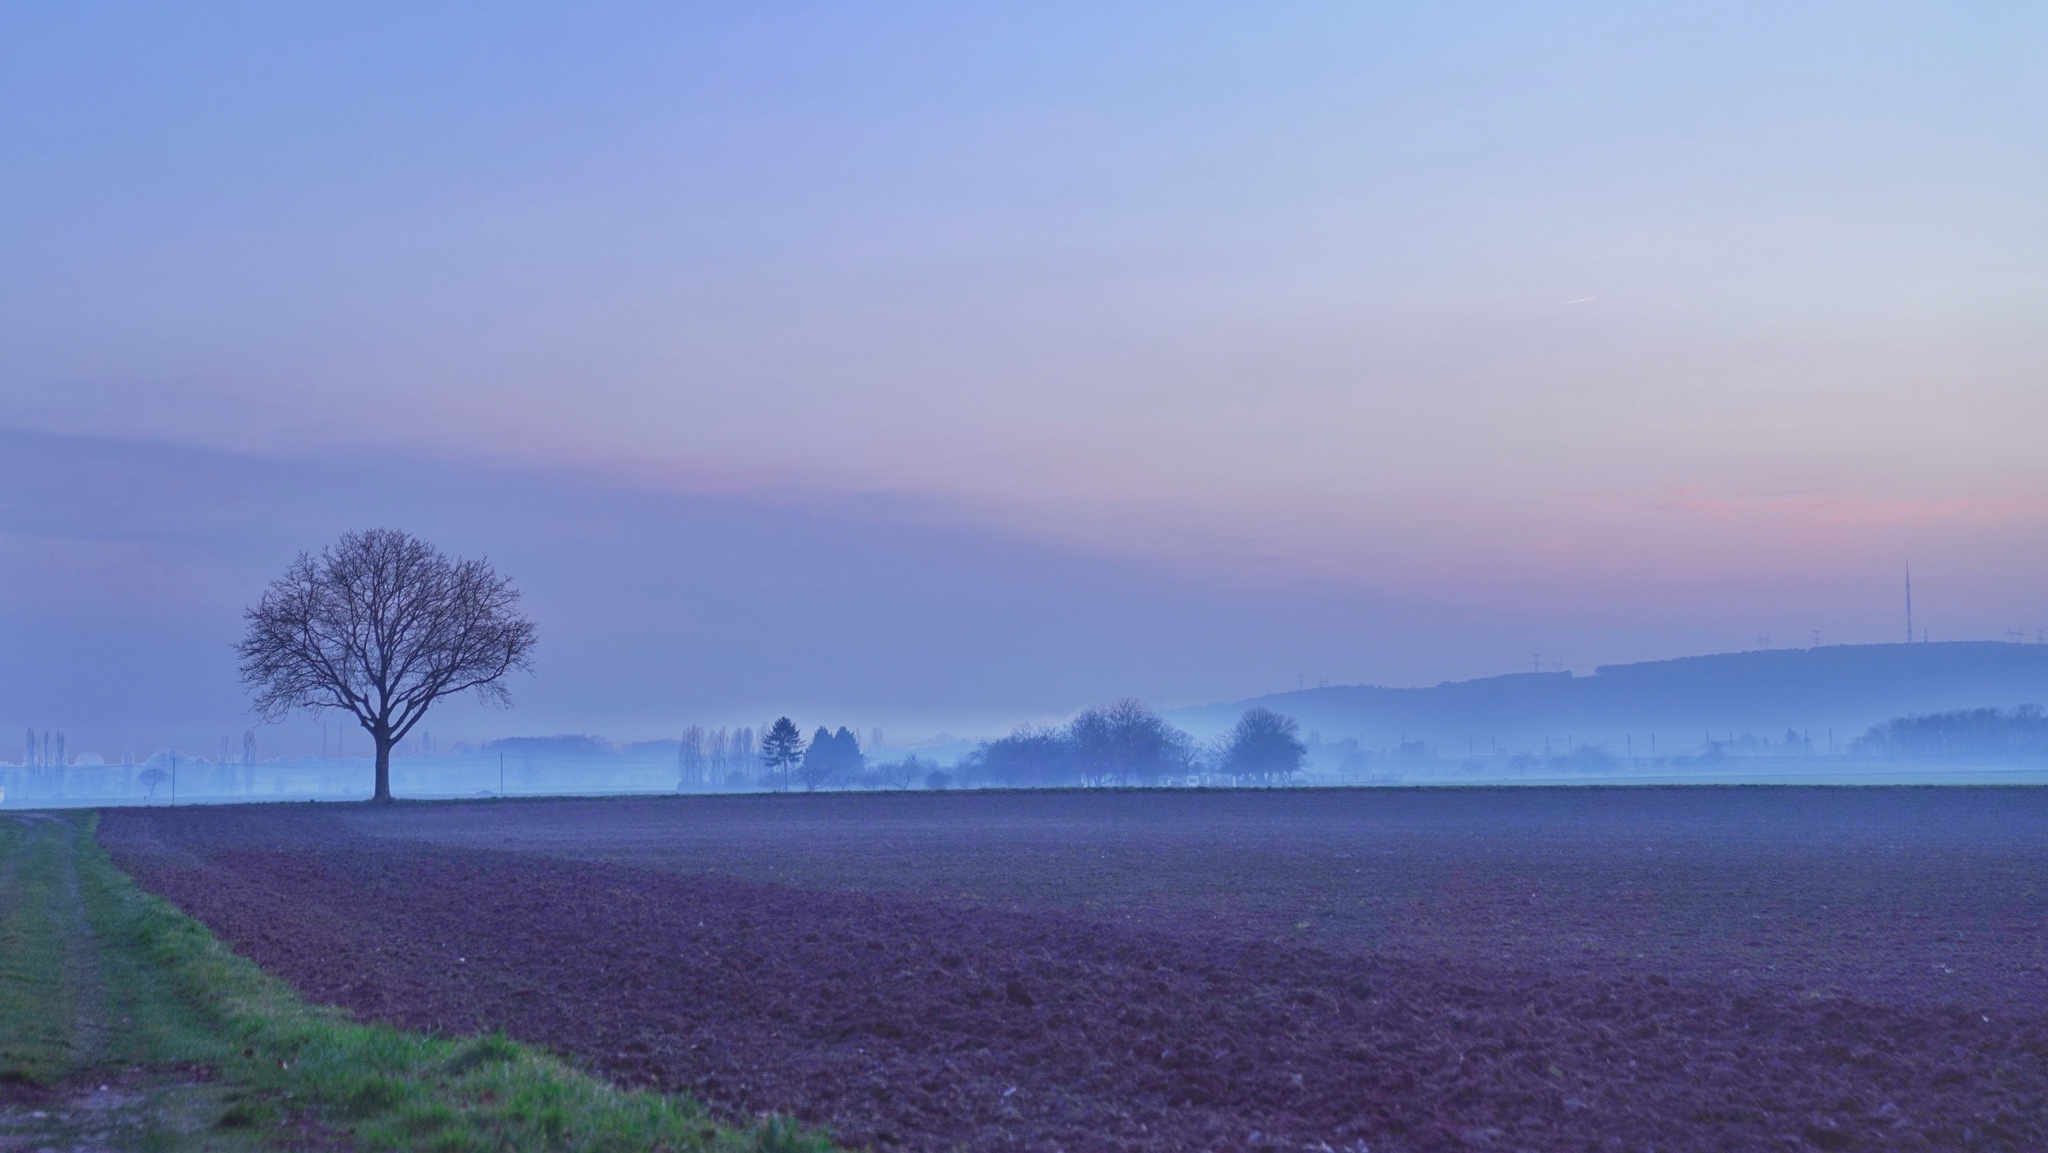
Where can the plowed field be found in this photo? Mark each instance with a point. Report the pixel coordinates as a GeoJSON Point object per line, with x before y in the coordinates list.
{"type": "Point", "coordinates": [1682, 969]}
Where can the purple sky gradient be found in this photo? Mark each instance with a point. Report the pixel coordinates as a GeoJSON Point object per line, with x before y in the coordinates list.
{"type": "Point", "coordinates": [940, 367]}
{"type": "Point", "coordinates": [128, 563]}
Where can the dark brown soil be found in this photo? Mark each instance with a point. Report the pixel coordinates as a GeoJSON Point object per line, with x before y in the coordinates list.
{"type": "Point", "coordinates": [1600, 970]}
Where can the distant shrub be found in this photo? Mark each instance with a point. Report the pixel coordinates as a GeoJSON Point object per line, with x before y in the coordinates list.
{"type": "Point", "coordinates": [1124, 743]}
{"type": "Point", "coordinates": [1587, 759]}
{"type": "Point", "coordinates": [1030, 757]}
{"type": "Point", "coordinates": [1264, 747]}
{"type": "Point", "coordinates": [903, 774]}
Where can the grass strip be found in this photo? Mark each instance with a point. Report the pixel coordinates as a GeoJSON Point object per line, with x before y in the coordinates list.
{"type": "Point", "coordinates": [389, 1088]}
{"type": "Point", "coordinates": [37, 1002]}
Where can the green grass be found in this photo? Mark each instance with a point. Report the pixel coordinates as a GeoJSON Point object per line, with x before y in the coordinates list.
{"type": "Point", "coordinates": [37, 1011]}
{"type": "Point", "coordinates": [172, 995]}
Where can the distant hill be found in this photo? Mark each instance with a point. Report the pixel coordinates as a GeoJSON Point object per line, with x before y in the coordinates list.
{"type": "Point", "coordinates": [1846, 688]}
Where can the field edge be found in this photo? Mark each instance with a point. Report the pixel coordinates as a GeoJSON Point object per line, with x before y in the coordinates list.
{"type": "Point", "coordinates": [384, 1087]}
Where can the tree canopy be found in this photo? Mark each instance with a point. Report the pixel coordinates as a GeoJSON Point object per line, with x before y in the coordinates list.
{"type": "Point", "coordinates": [1124, 743]}
{"type": "Point", "coordinates": [1996, 734]}
{"type": "Point", "coordinates": [782, 748]}
{"type": "Point", "coordinates": [380, 626]}
{"type": "Point", "coordinates": [1264, 746]}
{"type": "Point", "coordinates": [831, 756]}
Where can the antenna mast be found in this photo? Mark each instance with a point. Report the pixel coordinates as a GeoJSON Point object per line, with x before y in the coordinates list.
{"type": "Point", "coordinates": [1909, 602]}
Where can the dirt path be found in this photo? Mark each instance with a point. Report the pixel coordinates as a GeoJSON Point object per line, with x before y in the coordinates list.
{"type": "Point", "coordinates": [64, 1082]}
{"type": "Point", "coordinates": [82, 976]}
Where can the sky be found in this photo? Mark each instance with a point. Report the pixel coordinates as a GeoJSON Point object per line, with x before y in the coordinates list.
{"type": "Point", "coordinates": [946, 366]}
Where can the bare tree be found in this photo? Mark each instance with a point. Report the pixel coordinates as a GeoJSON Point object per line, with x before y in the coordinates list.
{"type": "Point", "coordinates": [691, 758]}
{"type": "Point", "coordinates": [907, 772]}
{"type": "Point", "coordinates": [1126, 743]}
{"type": "Point", "coordinates": [380, 626]}
{"type": "Point", "coordinates": [1264, 746]}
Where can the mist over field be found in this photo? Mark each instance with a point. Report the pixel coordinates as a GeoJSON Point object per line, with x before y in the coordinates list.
{"type": "Point", "coordinates": [661, 611]}
{"type": "Point", "coordinates": [1957, 713]}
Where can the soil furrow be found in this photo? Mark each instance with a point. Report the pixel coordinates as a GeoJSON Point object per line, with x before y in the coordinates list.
{"type": "Point", "coordinates": [922, 1021]}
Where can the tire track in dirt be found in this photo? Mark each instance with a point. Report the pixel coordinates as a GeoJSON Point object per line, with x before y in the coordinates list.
{"type": "Point", "coordinates": [83, 987]}
{"type": "Point", "coordinates": [90, 1031]}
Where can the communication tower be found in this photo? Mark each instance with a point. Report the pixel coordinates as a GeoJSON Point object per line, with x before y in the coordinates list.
{"type": "Point", "coordinates": [1909, 603]}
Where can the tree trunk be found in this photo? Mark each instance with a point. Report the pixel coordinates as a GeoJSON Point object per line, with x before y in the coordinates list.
{"type": "Point", "coordinates": [383, 770]}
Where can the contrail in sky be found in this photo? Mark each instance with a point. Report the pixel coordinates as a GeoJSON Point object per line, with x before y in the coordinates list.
{"type": "Point", "coordinates": [1582, 300]}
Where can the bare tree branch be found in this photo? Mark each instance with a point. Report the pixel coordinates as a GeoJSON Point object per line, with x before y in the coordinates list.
{"type": "Point", "coordinates": [381, 625]}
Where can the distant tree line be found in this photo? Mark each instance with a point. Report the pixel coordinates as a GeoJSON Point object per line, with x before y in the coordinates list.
{"type": "Point", "coordinates": [715, 756]}
{"type": "Point", "coordinates": [1126, 743]}
{"type": "Point", "coordinates": [1975, 734]}
{"type": "Point", "coordinates": [1123, 743]}
{"type": "Point", "coordinates": [36, 756]}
